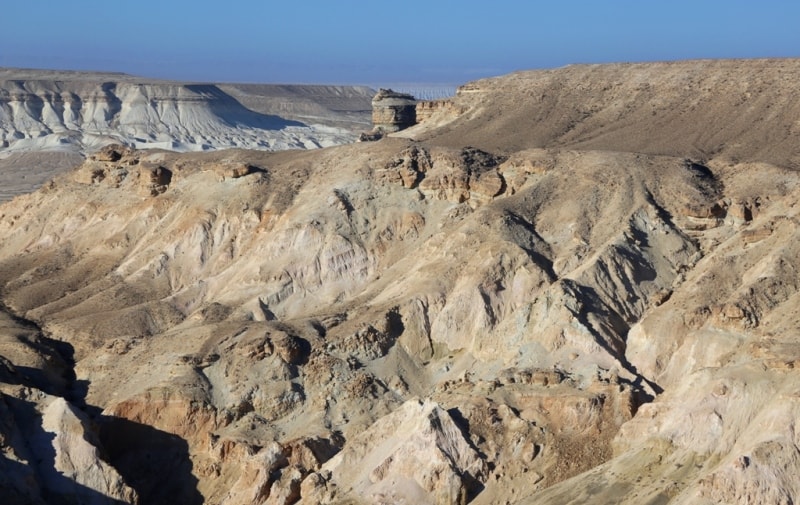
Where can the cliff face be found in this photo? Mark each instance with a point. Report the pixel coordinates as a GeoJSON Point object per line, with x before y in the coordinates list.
{"type": "Point", "coordinates": [412, 320]}
{"type": "Point", "coordinates": [447, 108]}
{"type": "Point", "coordinates": [342, 106]}
{"type": "Point", "coordinates": [85, 114]}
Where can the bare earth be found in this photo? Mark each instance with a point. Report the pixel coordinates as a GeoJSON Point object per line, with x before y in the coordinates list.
{"type": "Point", "coordinates": [25, 172]}
{"type": "Point", "coordinates": [567, 286]}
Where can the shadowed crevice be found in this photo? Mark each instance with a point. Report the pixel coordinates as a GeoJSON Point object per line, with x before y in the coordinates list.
{"type": "Point", "coordinates": [154, 463]}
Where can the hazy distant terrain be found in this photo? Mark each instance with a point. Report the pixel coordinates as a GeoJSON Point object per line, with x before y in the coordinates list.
{"type": "Point", "coordinates": [44, 112]}
{"type": "Point", "coordinates": [25, 172]}
{"type": "Point", "coordinates": [82, 112]}
{"type": "Point", "coordinates": [344, 106]}
{"type": "Point", "coordinates": [568, 286]}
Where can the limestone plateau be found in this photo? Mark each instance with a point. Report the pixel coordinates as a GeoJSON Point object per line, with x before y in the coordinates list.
{"type": "Point", "coordinates": [568, 286]}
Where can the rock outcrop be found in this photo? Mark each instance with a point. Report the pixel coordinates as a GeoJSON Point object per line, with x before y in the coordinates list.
{"type": "Point", "coordinates": [391, 112]}
{"type": "Point", "coordinates": [415, 454]}
{"type": "Point", "coordinates": [50, 450]}
{"type": "Point", "coordinates": [427, 109]}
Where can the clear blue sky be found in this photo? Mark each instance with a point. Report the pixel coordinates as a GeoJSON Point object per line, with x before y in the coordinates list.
{"type": "Point", "coordinates": [348, 41]}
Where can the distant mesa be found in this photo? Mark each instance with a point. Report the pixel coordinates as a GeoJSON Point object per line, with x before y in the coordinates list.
{"type": "Point", "coordinates": [391, 112]}
{"type": "Point", "coordinates": [81, 112]}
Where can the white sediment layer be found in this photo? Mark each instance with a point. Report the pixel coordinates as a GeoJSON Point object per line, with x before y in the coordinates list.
{"type": "Point", "coordinates": [40, 115]}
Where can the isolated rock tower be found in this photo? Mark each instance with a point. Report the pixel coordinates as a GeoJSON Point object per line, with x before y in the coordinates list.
{"type": "Point", "coordinates": [391, 112]}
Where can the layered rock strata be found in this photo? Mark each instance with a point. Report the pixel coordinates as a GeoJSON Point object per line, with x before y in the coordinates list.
{"type": "Point", "coordinates": [418, 320]}
{"type": "Point", "coordinates": [391, 112]}
{"type": "Point", "coordinates": [82, 112]}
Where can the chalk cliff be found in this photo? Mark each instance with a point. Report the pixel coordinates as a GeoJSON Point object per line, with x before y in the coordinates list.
{"type": "Point", "coordinates": [84, 112]}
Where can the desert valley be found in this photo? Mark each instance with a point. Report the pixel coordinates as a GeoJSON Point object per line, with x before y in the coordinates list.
{"type": "Point", "coordinates": [564, 286]}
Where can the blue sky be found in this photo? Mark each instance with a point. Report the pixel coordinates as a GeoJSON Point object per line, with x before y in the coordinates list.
{"type": "Point", "coordinates": [348, 41]}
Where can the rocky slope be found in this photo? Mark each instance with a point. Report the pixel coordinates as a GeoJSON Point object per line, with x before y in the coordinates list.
{"type": "Point", "coordinates": [416, 320]}
{"type": "Point", "coordinates": [737, 110]}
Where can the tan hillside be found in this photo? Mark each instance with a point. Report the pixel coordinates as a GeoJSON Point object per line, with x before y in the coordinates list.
{"type": "Point", "coordinates": [737, 110]}
{"type": "Point", "coordinates": [486, 308]}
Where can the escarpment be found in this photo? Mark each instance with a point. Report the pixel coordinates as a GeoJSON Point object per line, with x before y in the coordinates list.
{"type": "Point", "coordinates": [41, 110]}
{"type": "Point", "coordinates": [413, 319]}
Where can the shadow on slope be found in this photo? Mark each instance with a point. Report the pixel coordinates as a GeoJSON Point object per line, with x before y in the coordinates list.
{"type": "Point", "coordinates": [154, 463]}
{"type": "Point", "coordinates": [232, 112]}
{"type": "Point", "coordinates": [37, 446]}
